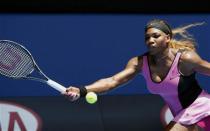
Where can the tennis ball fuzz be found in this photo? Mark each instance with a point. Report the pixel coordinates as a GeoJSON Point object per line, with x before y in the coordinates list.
{"type": "Point", "coordinates": [91, 97]}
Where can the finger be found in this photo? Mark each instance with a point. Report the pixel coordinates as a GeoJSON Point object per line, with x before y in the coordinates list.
{"type": "Point", "coordinates": [74, 96]}
{"type": "Point", "coordinates": [69, 89]}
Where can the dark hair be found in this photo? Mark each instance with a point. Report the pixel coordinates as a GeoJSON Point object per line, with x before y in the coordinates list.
{"type": "Point", "coordinates": [159, 24]}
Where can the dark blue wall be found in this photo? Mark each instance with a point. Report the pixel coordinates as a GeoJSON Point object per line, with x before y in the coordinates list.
{"type": "Point", "coordinates": [77, 49]}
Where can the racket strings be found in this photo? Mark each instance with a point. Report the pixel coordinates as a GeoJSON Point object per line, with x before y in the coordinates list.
{"type": "Point", "coordinates": [26, 65]}
{"type": "Point", "coordinates": [15, 61]}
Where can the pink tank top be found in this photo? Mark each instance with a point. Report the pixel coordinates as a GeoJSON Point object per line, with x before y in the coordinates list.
{"type": "Point", "coordinates": [168, 87]}
{"type": "Point", "coordinates": [188, 103]}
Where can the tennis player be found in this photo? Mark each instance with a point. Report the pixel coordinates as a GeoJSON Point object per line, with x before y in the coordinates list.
{"type": "Point", "coordinates": [169, 68]}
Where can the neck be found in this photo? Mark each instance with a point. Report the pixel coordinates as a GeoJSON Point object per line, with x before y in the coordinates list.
{"type": "Point", "coordinates": [162, 57]}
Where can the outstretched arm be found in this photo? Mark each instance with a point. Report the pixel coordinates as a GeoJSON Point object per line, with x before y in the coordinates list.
{"type": "Point", "coordinates": [132, 68]}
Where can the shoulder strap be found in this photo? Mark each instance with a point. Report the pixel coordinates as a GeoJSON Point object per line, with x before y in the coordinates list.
{"type": "Point", "coordinates": [174, 71]}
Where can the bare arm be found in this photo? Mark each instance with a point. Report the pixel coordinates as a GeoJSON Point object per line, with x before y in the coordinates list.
{"type": "Point", "coordinates": [132, 68]}
{"type": "Point", "coordinates": [195, 63]}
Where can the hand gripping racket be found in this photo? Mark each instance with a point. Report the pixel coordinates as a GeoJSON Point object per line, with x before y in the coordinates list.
{"type": "Point", "coordinates": [17, 62]}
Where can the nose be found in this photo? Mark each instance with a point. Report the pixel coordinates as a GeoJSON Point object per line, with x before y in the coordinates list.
{"type": "Point", "coordinates": [150, 41]}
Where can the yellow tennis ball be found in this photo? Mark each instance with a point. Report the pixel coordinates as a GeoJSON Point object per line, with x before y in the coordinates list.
{"type": "Point", "coordinates": [91, 97]}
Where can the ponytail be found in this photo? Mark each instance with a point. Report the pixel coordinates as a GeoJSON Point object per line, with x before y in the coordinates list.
{"type": "Point", "coordinates": [187, 41]}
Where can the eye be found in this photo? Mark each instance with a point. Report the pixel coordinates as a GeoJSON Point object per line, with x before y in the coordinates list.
{"type": "Point", "coordinates": [156, 35]}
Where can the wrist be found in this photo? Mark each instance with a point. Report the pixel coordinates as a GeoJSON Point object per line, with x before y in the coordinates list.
{"type": "Point", "coordinates": [82, 91]}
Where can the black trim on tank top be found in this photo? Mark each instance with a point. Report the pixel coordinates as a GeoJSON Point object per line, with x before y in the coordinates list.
{"type": "Point", "coordinates": [188, 90]}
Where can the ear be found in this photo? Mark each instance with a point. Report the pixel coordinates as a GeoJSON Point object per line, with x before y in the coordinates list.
{"type": "Point", "coordinates": [168, 38]}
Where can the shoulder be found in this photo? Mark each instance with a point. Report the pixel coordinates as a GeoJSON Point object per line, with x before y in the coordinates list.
{"type": "Point", "coordinates": [190, 60]}
{"type": "Point", "coordinates": [137, 59]}
{"type": "Point", "coordinates": [186, 55]}
{"type": "Point", "coordinates": [135, 62]}
{"type": "Point", "coordinates": [190, 56]}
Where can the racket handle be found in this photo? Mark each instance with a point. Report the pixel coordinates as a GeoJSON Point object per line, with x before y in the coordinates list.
{"type": "Point", "coordinates": [56, 86]}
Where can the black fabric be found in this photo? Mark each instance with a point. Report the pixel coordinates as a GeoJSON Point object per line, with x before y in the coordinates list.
{"type": "Point", "coordinates": [188, 90]}
{"type": "Point", "coordinates": [83, 91]}
{"type": "Point", "coordinates": [161, 25]}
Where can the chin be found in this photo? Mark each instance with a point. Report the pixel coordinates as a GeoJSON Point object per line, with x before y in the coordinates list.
{"type": "Point", "coordinates": [152, 52]}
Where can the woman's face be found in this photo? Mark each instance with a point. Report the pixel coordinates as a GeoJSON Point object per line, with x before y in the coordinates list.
{"type": "Point", "coordinates": [156, 40]}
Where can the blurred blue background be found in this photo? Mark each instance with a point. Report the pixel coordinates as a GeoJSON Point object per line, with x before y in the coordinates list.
{"type": "Point", "coordinates": [78, 49]}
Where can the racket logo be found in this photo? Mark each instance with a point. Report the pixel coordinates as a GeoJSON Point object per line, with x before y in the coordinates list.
{"type": "Point", "coordinates": [12, 59]}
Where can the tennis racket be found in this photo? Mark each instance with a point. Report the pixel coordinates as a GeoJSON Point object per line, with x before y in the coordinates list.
{"type": "Point", "coordinates": [17, 62]}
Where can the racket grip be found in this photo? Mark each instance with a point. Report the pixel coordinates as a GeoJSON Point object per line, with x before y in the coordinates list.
{"type": "Point", "coordinates": [56, 86]}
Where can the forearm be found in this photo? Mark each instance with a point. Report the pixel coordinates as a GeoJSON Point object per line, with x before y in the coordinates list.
{"type": "Point", "coordinates": [102, 85]}
{"type": "Point", "coordinates": [107, 84]}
